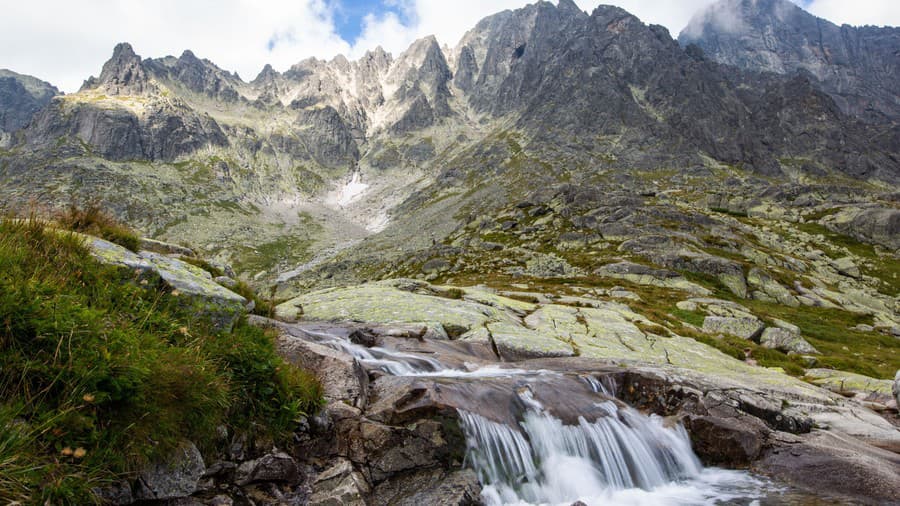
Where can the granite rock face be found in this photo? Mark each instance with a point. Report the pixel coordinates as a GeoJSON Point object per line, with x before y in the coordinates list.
{"type": "Point", "coordinates": [856, 66]}
{"type": "Point", "coordinates": [21, 97]}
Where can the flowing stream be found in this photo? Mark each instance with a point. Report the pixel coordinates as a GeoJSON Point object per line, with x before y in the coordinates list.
{"type": "Point", "coordinates": [616, 456]}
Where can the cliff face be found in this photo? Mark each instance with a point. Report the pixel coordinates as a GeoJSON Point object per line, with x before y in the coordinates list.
{"type": "Point", "coordinates": [859, 67]}
{"type": "Point", "coordinates": [21, 97]}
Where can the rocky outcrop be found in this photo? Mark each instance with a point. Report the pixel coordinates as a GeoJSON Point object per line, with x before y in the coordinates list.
{"type": "Point", "coordinates": [214, 303]}
{"type": "Point", "coordinates": [21, 97]}
{"type": "Point", "coordinates": [872, 225]}
{"type": "Point", "coordinates": [857, 66]}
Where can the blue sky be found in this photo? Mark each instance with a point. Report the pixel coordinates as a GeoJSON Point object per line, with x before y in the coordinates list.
{"type": "Point", "coordinates": [349, 15]}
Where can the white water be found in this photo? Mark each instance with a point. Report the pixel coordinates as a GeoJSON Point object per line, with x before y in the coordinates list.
{"type": "Point", "coordinates": [623, 458]}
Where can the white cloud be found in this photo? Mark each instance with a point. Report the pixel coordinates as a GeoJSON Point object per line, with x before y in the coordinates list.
{"type": "Point", "coordinates": [65, 41]}
{"type": "Point", "coordinates": [858, 12]}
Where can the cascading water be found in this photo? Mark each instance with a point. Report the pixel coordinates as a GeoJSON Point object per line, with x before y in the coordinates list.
{"type": "Point", "coordinates": [622, 457]}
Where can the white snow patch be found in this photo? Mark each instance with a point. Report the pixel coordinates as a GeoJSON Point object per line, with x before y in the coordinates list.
{"type": "Point", "coordinates": [349, 193]}
{"type": "Point", "coordinates": [378, 223]}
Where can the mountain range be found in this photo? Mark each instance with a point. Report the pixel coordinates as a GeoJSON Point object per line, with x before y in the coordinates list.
{"type": "Point", "coordinates": [293, 167]}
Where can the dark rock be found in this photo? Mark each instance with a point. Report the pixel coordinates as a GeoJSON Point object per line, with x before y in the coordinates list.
{"type": "Point", "coordinates": [177, 477]}
{"type": "Point", "coordinates": [728, 441]}
{"type": "Point", "coordinates": [21, 97]}
{"type": "Point", "coordinates": [868, 475]}
{"type": "Point", "coordinates": [279, 467]}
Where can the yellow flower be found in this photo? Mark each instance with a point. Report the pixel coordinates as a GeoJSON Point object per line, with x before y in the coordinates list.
{"type": "Point", "coordinates": [183, 331]}
{"type": "Point", "coordinates": [88, 397]}
{"type": "Point", "coordinates": [66, 451]}
{"type": "Point", "coordinates": [79, 453]}
{"type": "Point", "coordinates": [175, 293]}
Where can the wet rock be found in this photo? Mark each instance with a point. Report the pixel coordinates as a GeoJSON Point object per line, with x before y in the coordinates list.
{"type": "Point", "coordinates": [786, 341]}
{"type": "Point", "coordinates": [177, 477]}
{"type": "Point", "coordinates": [343, 378]}
{"type": "Point", "coordinates": [746, 328]}
{"type": "Point", "coordinates": [867, 474]}
{"type": "Point", "coordinates": [432, 487]}
{"type": "Point", "coordinates": [279, 467]}
{"type": "Point", "coordinates": [728, 441]}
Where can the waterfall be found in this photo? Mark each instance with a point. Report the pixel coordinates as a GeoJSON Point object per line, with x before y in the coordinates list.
{"type": "Point", "coordinates": [544, 461]}
{"type": "Point", "coordinates": [621, 457]}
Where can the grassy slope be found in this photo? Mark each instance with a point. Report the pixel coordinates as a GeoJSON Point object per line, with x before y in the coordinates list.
{"type": "Point", "coordinates": [101, 372]}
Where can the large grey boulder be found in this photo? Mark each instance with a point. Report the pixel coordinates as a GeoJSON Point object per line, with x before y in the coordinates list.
{"type": "Point", "coordinates": [175, 477]}
{"type": "Point", "coordinates": [874, 225]}
{"type": "Point", "coordinates": [785, 340]}
{"type": "Point", "coordinates": [746, 328]}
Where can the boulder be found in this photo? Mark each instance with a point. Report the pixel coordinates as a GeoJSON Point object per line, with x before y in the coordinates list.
{"type": "Point", "coordinates": [874, 225]}
{"type": "Point", "coordinates": [746, 328]}
{"type": "Point", "coordinates": [852, 385]}
{"type": "Point", "coordinates": [175, 477]}
{"type": "Point", "coordinates": [343, 378]}
{"type": "Point", "coordinates": [339, 485]}
{"type": "Point", "coordinates": [219, 304]}
{"type": "Point", "coordinates": [726, 441]}
{"type": "Point", "coordinates": [786, 341]}
{"type": "Point", "coordinates": [277, 466]}
{"type": "Point", "coordinates": [847, 267]}
{"type": "Point", "coordinates": [831, 464]}
{"type": "Point", "coordinates": [765, 283]}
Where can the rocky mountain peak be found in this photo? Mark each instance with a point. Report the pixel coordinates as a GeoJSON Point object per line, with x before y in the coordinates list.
{"type": "Point", "coordinates": [123, 74]}
{"type": "Point", "coordinates": [857, 66]}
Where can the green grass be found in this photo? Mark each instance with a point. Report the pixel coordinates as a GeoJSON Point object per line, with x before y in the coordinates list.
{"type": "Point", "coordinates": [92, 219]}
{"type": "Point", "coordinates": [102, 371]}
